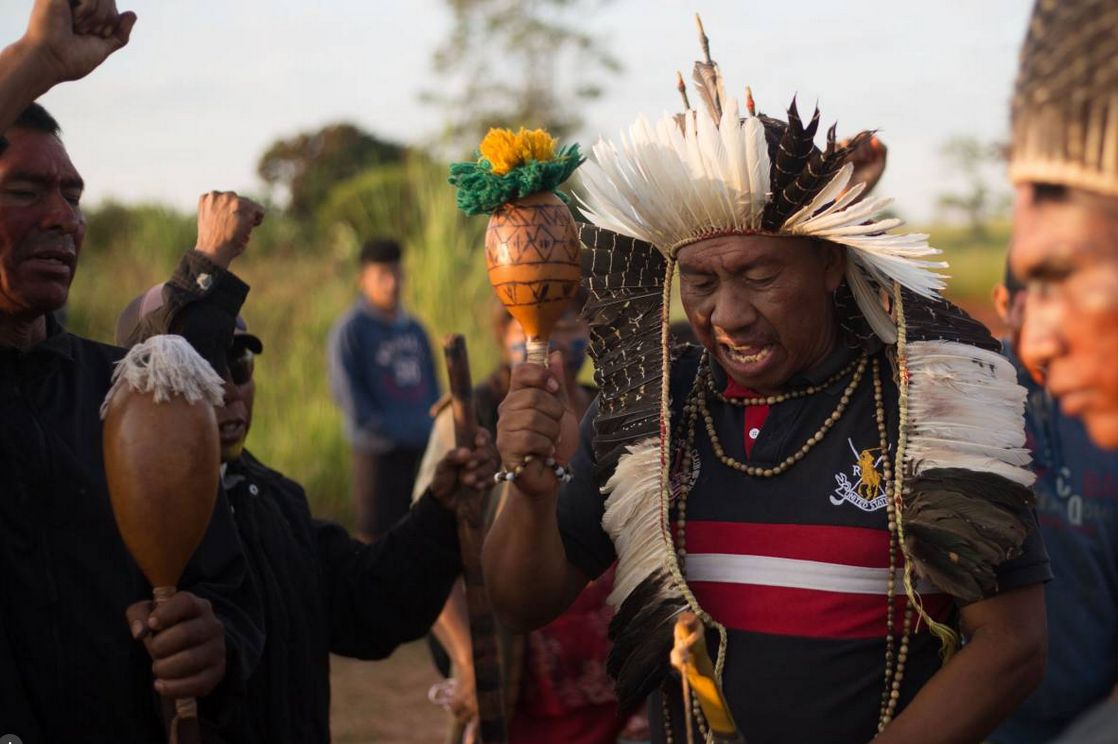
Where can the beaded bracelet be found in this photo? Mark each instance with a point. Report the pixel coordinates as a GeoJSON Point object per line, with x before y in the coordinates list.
{"type": "Point", "coordinates": [563, 473]}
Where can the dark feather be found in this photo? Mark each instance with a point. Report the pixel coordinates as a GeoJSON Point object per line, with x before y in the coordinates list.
{"type": "Point", "coordinates": [793, 150]}
{"type": "Point", "coordinates": [641, 632]}
{"type": "Point", "coordinates": [939, 320]}
{"type": "Point", "coordinates": [624, 278]}
{"type": "Point", "coordinates": [960, 525]}
{"type": "Point", "coordinates": [820, 168]}
{"type": "Point", "coordinates": [856, 330]}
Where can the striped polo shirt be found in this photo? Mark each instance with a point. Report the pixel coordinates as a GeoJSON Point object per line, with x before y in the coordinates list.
{"type": "Point", "coordinates": [795, 566]}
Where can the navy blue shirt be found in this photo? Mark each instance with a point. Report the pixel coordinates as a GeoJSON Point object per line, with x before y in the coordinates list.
{"type": "Point", "coordinates": [1077, 507]}
{"type": "Point", "coordinates": [796, 566]}
{"type": "Point", "coordinates": [383, 377]}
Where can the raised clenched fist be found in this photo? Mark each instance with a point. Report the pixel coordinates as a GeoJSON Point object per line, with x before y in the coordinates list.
{"type": "Point", "coordinates": [225, 224]}
{"type": "Point", "coordinates": [536, 422]}
{"type": "Point", "coordinates": [70, 38]}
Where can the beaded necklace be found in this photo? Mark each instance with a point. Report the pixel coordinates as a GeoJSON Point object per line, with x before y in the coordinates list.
{"type": "Point", "coordinates": [896, 655]}
{"type": "Point", "coordinates": [699, 401]}
{"type": "Point", "coordinates": [769, 400]}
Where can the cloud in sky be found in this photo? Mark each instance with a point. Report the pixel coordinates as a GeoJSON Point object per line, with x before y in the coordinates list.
{"type": "Point", "coordinates": [205, 86]}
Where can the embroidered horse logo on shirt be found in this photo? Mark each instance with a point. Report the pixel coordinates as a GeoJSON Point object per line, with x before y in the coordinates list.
{"type": "Point", "coordinates": [864, 487]}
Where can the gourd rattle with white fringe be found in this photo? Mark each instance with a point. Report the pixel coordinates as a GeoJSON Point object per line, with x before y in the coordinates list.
{"type": "Point", "coordinates": [162, 463]}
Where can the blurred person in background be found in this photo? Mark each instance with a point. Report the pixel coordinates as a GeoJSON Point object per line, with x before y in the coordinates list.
{"type": "Point", "coordinates": [323, 592]}
{"type": "Point", "coordinates": [383, 377]}
{"type": "Point", "coordinates": [74, 668]}
{"type": "Point", "coordinates": [556, 688]}
{"type": "Point", "coordinates": [1077, 505]}
{"type": "Point", "coordinates": [1064, 166]}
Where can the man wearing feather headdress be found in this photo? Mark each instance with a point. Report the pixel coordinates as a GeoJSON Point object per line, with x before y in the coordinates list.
{"type": "Point", "coordinates": [834, 482]}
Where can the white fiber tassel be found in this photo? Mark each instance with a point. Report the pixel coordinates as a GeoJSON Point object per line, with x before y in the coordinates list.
{"type": "Point", "coordinates": [166, 367]}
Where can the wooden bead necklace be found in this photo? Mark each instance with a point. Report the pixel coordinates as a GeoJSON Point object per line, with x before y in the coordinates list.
{"type": "Point", "coordinates": [896, 655]}
{"type": "Point", "coordinates": [770, 400]}
{"type": "Point", "coordinates": [698, 403]}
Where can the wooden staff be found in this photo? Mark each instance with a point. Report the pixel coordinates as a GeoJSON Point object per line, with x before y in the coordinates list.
{"type": "Point", "coordinates": [470, 506]}
{"type": "Point", "coordinates": [690, 657]}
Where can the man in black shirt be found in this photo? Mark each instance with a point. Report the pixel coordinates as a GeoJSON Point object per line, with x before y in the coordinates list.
{"type": "Point", "coordinates": [72, 667]}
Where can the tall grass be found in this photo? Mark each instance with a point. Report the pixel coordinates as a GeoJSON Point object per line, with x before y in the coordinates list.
{"type": "Point", "coordinates": [304, 276]}
{"type": "Point", "coordinates": [300, 285]}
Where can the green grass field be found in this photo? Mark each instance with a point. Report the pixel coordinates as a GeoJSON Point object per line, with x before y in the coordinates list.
{"type": "Point", "coordinates": [301, 283]}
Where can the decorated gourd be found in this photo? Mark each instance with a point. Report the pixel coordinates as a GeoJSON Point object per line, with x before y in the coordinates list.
{"type": "Point", "coordinates": [531, 244]}
{"type": "Point", "coordinates": [162, 464]}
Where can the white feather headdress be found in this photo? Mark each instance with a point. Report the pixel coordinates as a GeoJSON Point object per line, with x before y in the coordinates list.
{"type": "Point", "coordinates": [673, 185]}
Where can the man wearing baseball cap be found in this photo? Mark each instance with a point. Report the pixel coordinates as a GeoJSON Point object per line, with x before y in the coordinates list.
{"type": "Point", "coordinates": [323, 591]}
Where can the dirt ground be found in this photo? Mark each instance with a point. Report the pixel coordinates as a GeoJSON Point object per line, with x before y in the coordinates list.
{"type": "Point", "coordinates": [385, 702]}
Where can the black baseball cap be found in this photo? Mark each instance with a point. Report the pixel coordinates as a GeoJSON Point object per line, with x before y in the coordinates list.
{"type": "Point", "coordinates": [146, 302]}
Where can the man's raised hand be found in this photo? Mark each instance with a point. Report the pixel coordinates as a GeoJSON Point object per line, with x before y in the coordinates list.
{"type": "Point", "coordinates": [70, 38]}
{"type": "Point", "coordinates": [225, 224]}
{"type": "Point", "coordinates": [536, 419]}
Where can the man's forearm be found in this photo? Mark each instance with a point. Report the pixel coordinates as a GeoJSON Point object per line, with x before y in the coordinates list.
{"type": "Point", "coordinates": [453, 628]}
{"type": "Point", "coordinates": [972, 694]}
{"type": "Point", "coordinates": [529, 579]}
{"type": "Point", "coordinates": [23, 78]}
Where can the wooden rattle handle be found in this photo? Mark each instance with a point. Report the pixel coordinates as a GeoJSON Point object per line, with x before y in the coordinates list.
{"type": "Point", "coordinates": [180, 715]}
{"type": "Point", "coordinates": [537, 352]}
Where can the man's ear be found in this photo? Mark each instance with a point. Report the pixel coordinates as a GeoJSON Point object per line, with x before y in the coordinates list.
{"type": "Point", "coordinates": [834, 264]}
{"type": "Point", "coordinates": [1001, 301]}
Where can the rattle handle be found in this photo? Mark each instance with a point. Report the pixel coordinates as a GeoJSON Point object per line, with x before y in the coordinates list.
{"type": "Point", "coordinates": [182, 718]}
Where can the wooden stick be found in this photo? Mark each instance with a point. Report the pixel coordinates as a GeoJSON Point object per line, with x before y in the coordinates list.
{"type": "Point", "coordinates": [699, 681]}
{"type": "Point", "coordinates": [180, 715]}
{"type": "Point", "coordinates": [470, 506]}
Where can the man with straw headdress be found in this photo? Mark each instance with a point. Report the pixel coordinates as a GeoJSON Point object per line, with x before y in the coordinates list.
{"type": "Point", "coordinates": [1064, 167]}
{"type": "Point", "coordinates": [834, 482]}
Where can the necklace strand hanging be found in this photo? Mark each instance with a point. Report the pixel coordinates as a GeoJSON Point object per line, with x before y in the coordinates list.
{"type": "Point", "coordinates": [698, 404]}
{"type": "Point", "coordinates": [896, 655]}
{"type": "Point", "coordinates": [770, 400]}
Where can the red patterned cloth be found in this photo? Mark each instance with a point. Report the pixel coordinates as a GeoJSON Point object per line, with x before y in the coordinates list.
{"type": "Point", "coordinates": [566, 697]}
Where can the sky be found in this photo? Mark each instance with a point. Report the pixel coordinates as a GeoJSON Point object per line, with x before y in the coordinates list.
{"type": "Point", "coordinates": [206, 85]}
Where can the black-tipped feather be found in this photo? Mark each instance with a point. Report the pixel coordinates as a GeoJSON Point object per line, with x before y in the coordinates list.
{"type": "Point", "coordinates": [960, 525]}
{"type": "Point", "coordinates": [793, 150]}
{"type": "Point", "coordinates": [625, 279]}
{"type": "Point", "coordinates": [641, 632]}
{"type": "Point", "coordinates": [928, 319]}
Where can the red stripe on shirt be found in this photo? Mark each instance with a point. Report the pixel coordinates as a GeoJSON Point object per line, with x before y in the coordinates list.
{"type": "Point", "coordinates": [851, 546]}
{"type": "Point", "coordinates": [807, 613]}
